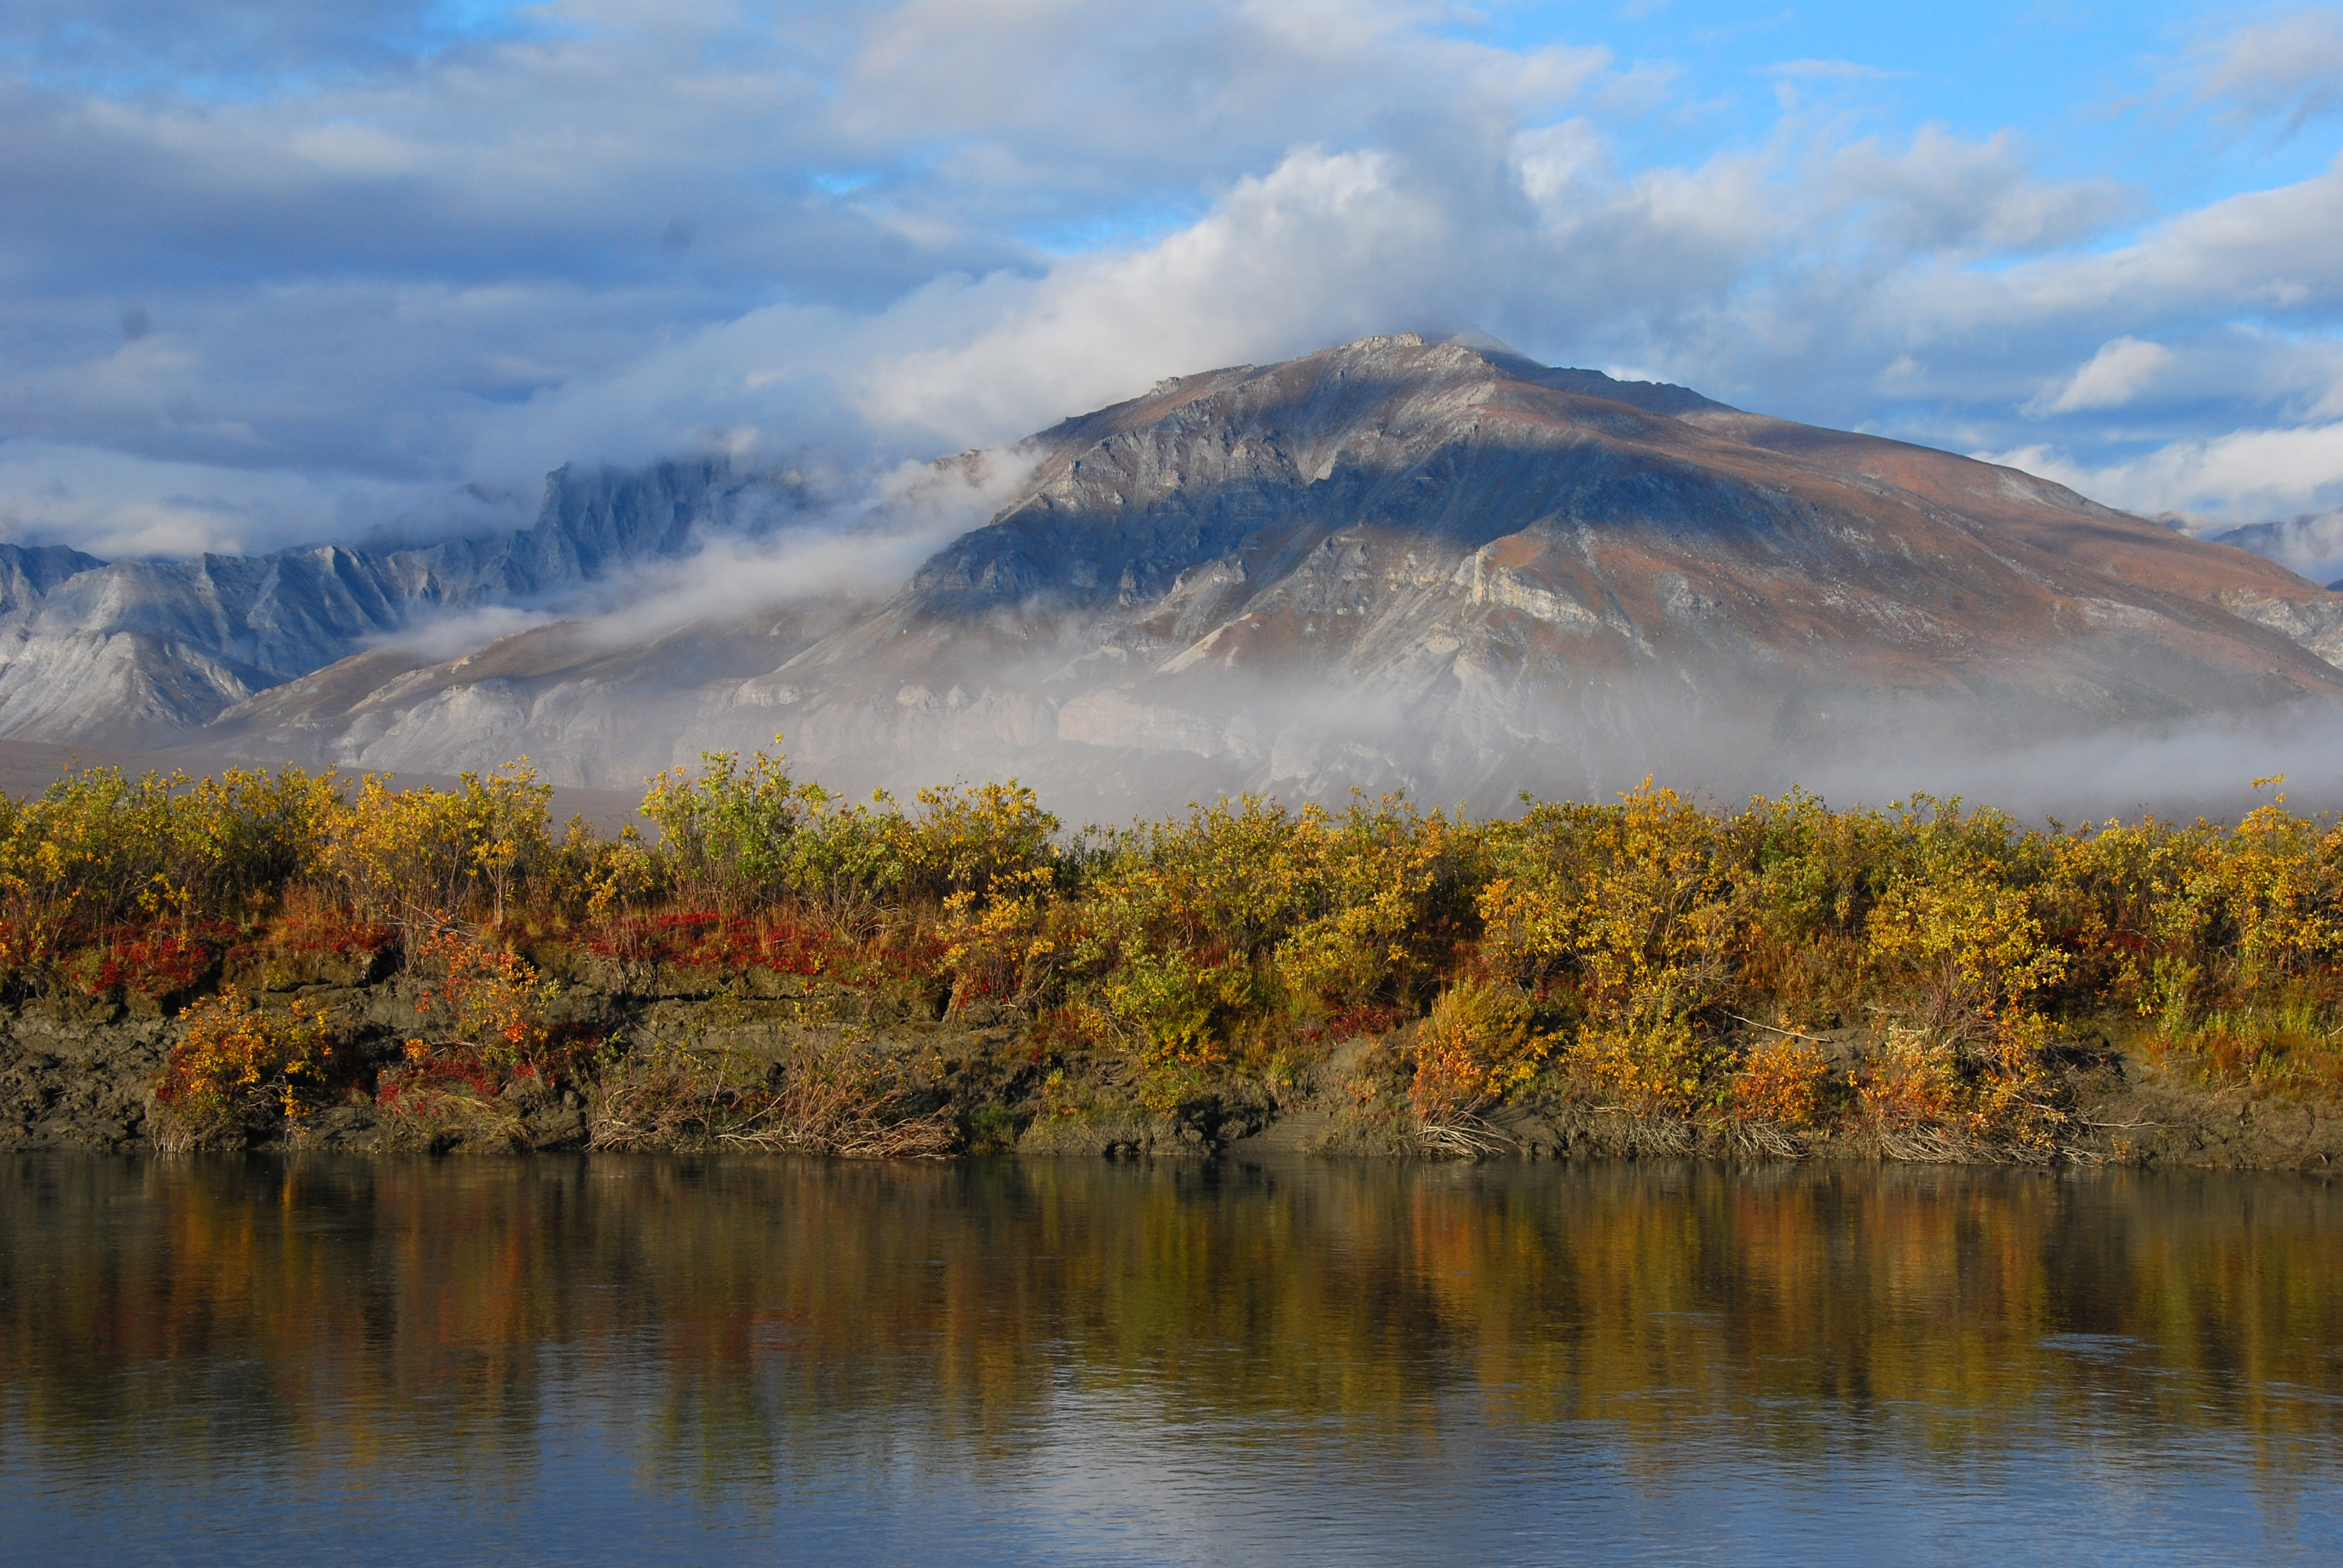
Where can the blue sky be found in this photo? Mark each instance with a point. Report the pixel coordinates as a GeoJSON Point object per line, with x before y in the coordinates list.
{"type": "Point", "coordinates": [277, 271]}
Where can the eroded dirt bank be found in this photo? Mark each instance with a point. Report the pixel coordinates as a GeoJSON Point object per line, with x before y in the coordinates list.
{"type": "Point", "coordinates": [684, 1058]}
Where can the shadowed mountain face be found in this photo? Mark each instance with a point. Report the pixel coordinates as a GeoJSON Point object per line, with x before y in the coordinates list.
{"type": "Point", "coordinates": [1398, 563]}
{"type": "Point", "coordinates": [146, 652]}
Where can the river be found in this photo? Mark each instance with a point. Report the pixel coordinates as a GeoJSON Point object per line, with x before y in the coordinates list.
{"type": "Point", "coordinates": [640, 1360]}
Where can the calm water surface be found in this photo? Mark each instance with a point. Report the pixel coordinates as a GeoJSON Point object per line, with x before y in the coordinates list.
{"type": "Point", "coordinates": [629, 1360]}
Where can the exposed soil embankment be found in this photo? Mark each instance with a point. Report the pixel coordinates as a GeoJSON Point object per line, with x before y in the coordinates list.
{"type": "Point", "coordinates": [676, 1048]}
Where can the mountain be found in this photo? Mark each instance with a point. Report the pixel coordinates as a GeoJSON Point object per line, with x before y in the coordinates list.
{"type": "Point", "coordinates": [148, 652]}
{"type": "Point", "coordinates": [1405, 563]}
{"type": "Point", "coordinates": [2311, 544]}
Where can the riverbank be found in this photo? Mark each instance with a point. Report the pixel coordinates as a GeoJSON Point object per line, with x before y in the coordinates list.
{"type": "Point", "coordinates": [700, 1058]}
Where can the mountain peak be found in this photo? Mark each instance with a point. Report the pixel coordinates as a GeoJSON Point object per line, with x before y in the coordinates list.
{"type": "Point", "coordinates": [1353, 432]}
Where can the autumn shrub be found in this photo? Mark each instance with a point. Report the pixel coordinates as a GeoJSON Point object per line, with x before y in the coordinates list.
{"type": "Point", "coordinates": [1956, 923]}
{"type": "Point", "coordinates": [1911, 1082]}
{"type": "Point", "coordinates": [1221, 936]}
{"type": "Point", "coordinates": [1473, 1048]}
{"type": "Point", "coordinates": [236, 1063]}
{"type": "Point", "coordinates": [726, 832]}
{"type": "Point", "coordinates": [976, 842]}
{"type": "Point", "coordinates": [1806, 878]}
{"type": "Point", "coordinates": [1784, 1081]}
{"type": "Point", "coordinates": [416, 858]}
{"type": "Point", "coordinates": [1629, 916]}
{"type": "Point", "coordinates": [486, 1033]}
{"type": "Point", "coordinates": [2283, 879]}
{"type": "Point", "coordinates": [489, 1000]}
{"type": "Point", "coordinates": [1005, 946]}
{"type": "Point", "coordinates": [98, 849]}
{"type": "Point", "coordinates": [595, 881]}
{"type": "Point", "coordinates": [1649, 955]}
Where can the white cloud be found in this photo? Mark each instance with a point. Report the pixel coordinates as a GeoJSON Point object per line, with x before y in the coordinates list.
{"type": "Point", "coordinates": [114, 505]}
{"type": "Point", "coordinates": [2117, 374]}
{"type": "Point", "coordinates": [1326, 247]}
{"type": "Point", "coordinates": [2237, 477]}
{"type": "Point", "coordinates": [845, 237]}
{"type": "Point", "coordinates": [2287, 67]}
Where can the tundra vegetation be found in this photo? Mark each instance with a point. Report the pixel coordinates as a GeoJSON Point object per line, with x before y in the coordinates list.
{"type": "Point", "coordinates": [774, 965]}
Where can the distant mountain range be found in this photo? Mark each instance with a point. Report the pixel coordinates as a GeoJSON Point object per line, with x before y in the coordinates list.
{"type": "Point", "coordinates": [147, 653]}
{"type": "Point", "coordinates": [1394, 563]}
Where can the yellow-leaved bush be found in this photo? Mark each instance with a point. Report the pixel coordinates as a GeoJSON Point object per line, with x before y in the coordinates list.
{"type": "Point", "coordinates": [236, 1062]}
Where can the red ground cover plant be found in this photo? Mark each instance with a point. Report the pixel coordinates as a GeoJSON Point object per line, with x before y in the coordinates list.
{"type": "Point", "coordinates": [704, 938]}
{"type": "Point", "coordinates": [159, 958]}
{"type": "Point", "coordinates": [1352, 1022]}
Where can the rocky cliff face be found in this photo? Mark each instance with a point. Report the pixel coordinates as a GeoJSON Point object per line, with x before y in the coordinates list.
{"type": "Point", "coordinates": [147, 652]}
{"type": "Point", "coordinates": [1404, 563]}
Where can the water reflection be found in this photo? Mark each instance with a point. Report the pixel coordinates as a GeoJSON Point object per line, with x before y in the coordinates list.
{"type": "Point", "coordinates": [735, 1359]}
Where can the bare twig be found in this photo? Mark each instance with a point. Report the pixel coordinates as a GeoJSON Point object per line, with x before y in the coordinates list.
{"type": "Point", "coordinates": [1466, 1136]}
{"type": "Point", "coordinates": [1765, 1138]}
{"type": "Point", "coordinates": [1769, 1029]}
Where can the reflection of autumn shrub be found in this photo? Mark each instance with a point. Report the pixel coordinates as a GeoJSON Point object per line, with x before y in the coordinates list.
{"type": "Point", "coordinates": [237, 1062]}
